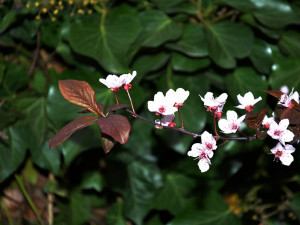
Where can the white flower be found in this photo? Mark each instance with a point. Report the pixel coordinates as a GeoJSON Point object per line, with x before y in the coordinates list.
{"type": "Point", "coordinates": [168, 120]}
{"type": "Point", "coordinates": [280, 132]}
{"type": "Point", "coordinates": [208, 141]}
{"type": "Point", "coordinates": [268, 120]}
{"type": "Point", "coordinates": [247, 102]}
{"type": "Point", "coordinates": [112, 81]}
{"type": "Point", "coordinates": [284, 89]}
{"type": "Point", "coordinates": [161, 105]}
{"type": "Point", "coordinates": [286, 100]}
{"type": "Point", "coordinates": [178, 96]}
{"type": "Point", "coordinates": [232, 124]}
{"type": "Point", "coordinates": [215, 105]}
{"type": "Point", "coordinates": [126, 79]}
{"type": "Point", "coordinates": [283, 153]}
{"type": "Point", "coordinates": [200, 152]}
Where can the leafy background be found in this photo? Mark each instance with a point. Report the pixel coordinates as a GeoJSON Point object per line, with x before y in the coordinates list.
{"type": "Point", "coordinates": [228, 46]}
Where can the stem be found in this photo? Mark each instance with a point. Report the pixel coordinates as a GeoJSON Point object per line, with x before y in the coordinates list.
{"type": "Point", "coordinates": [217, 135]}
{"type": "Point", "coordinates": [104, 12]}
{"type": "Point", "coordinates": [36, 53]}
{"type": "Point", "coordinates": [195, 135]}
{"type": "Point", "coordinates": [130, 101]}
{"type": "Point", "coordinates": [29, 200]}
{"type": "Point", "coordinates": [223, 143]}
{"type": "Point", "coordinates": [7, 212]}
{"type": "Point", "coordinates": [116, 97]}
{"type": "Point", "coordinates": [50, 198]}
{"type": "Point", "coordinates": [180, 118]}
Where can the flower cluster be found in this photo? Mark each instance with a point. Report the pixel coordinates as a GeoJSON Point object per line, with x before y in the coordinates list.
{"type": "Point", "coordinates": [167, 105]}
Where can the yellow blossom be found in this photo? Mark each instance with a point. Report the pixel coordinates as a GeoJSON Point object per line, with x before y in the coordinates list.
{"type": "Point", "coordinates": [44, 10]}
{"type": "Point", "coordinates": [55, 12]}
{"type": "Point", "coordinates": [36, 4]}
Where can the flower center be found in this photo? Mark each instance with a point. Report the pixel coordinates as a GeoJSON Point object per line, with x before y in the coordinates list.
{"type": "Point", "coordinates": [234, 126]}
{"type": "Point", "coordinates": [278, 154]}
{"type": "Point", "coordinates": [127, 86]}
{"type": "Point", "coordinates": [162, 109]}
{"type": "Point", "coordinates": [202, 155]}
{"type": "Point", "coordinates": [209, 146]}
{"type": "Point", "coordinates": [114, 89]}
{"type": "Point", "coordinates": [277, 132]}
{"type": "Point", "coordinates": [249, 108]}
{"type": "Point", "coordinates": [267, 126]}
{"type": "Point", "coordinates": [291, 105]}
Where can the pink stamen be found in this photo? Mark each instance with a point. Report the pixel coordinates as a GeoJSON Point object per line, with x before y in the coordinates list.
{"type": "Point", "coordinates": [249, 108]}
{"type": "Point", "coordinates": [161, 109]}
{"type": "Point", "coordinates": [277, 132]}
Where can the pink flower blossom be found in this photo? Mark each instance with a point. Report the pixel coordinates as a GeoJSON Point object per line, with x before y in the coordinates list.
{"type": "Point", "coordinates": [198, 151]}
{"type": "Point", "coordinates": [113, 82]}
{"type": "Point", "coordinates": [126, 79]}
{"type": "Point", "coordinates": [168, 120]}
{"type": "Point", "coordinates": [178, 96]}
{"type": "Point", "coordinates": [208, 141]}
{"type": "Point", "coordinates": [267, 121]}
{"type": "Point", "coordinates": [286, 100]}
{"type": "Point", "coordinates": [247, 102]}
{"type": "Point", "coordinates": [280, 131]}
{"type": "Point", "coordinates": [161, 105]}
{"type": "Point", "coordinates": [232, 124]}
{"type": "Point", "coordinates": [215, 105]}
{"type": "Point", "coordinates": [283, 153]}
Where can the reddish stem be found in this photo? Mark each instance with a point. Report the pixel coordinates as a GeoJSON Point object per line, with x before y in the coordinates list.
{"type": "Point", "coordinates": [116, 97]}
{"type": "Point", "coordinates": [130, 101]}
{"type": "Point", "coordinates": [180, 118]}
{"type": "Point", "coordinates": [217, 135]}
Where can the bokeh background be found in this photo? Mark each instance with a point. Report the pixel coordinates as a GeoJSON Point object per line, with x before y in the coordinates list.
{"type": "Point", "coordinates": [230, 46]}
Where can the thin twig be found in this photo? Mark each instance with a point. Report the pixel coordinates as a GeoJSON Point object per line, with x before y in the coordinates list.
{"type": "Point", "coordinates": [6, 211]}
{"type": "Point", "coordinates": [195, 135]}
{"type": "Point", "coordinates": [36, 54]}
{"type": "Point", "coordinates": [50, 198]}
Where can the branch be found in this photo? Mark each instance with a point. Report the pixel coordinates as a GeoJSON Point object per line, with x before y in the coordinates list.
{"type": "Point", "coordinates": [195, 135]}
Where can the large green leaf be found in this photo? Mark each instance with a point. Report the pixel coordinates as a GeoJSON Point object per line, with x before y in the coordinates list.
{"type": "Point", "coordinates": [215, 212]}
{"type": "Point", "coordinates": [192, 42]}
{"type": "Point", "coordinates": [261, 56]}
{"type": "Point", "coordinates": [115, 215]}
{"type": "Point", "coordinates": [143, 181]}
{"type": "Point", "coordinates": [157, 28]}
{"type": "Point", "coordinates": [227, 41]}
{"type": "Point", "coordinates": [107, 43]}
{"type": "Point", "coordinates": [172, 196]}
{"type": "Point", "coordinates": [7, 19]}
{"type": "Point", "coordinates": [286, 72]}
{"type": "Point", "coordinates": [183, 63]}
{"type": "Point", "coordinates": [245, 79]}
{"type": "Point", "coordinates": [13, 152]}
{"type": "Point", "coordinates": [290, 43]}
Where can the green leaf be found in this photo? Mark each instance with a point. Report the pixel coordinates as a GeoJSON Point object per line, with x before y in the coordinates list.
{"type": "Point", "coordinates": [76, 211]}
{"type": "Point", "coordinates": [145, 64]}
{"type": "Point", "coordinates": [192, 42]}
{"type": "Point", "coordinates": [286, 72]}
{"type": "Point", "coordinates": [214, 213]}
{"type": "Point", "coordinates": [157, 28]}
{"type": "Point", "coordinates": [108, 44]}
{"type": "Point", "coordinates": [173, 195]}
{"type": "Point", "coordinates": [92, 180]}
{"type": "Point", "coordinates": [290, 43]}
{"type": "Point", "coordinates": [227, 41]}
{"type": "Point", "coordinates": [7, 20]}
{"type": "Point", "coordinates": [22, 33]}
{"type": "Point", "coordinates": [39, 82]}
{"type": "Point", "coordinates": [187, 64]}
{"type": "Point", "coordinates": [115, 215]}
{"type": "Point", "coordinates": [295, 205]}
{"type": "Point", "coordinates": [143, 180]}
{"type": "Point", "coordinates": [12, 154]}
{"type": "Point", "coordinates": [245, 79]}
{"type": "Point", "coordinates": [261, 56]}
{"type": "Point", "coordinates": [2, 68]}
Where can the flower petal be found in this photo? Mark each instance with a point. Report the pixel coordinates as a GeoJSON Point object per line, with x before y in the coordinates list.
{"type": "Point", "coordinates": [203, 165]}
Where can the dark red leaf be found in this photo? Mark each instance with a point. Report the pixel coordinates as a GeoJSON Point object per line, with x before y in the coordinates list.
{"type": "Point", "coordinates": [116, 107]}
{"type": "Point", "coordinates": [70, 128]}
{"type": "Point", "coordinates": [292, 114]}
{"type": "Point", "coordinates": [80, 93]}
{"type": "Point", "coordinates": [107, 142]}
{"type": "Point", "coordinates": [254, 120]}
{"type": "Point", "coordinates": [276, 94]}
{"type": "Point", "coordinates": [84, 111]}
{"type": "Point", "coordinates": [101, 106]}
{"type": "Point", "coordinates": [261, 134]}
{"type": "Point", "coordinates": [116, 126]}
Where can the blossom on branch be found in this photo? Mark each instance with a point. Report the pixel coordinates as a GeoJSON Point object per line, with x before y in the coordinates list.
{"type": "Point", "coordinates": [247, 102]}
{"type": "Point", "coordinates": [214, 105]}
{"type": "Point", "coordinates": [283, 153]}
{"type": "Point", "coordinates": [208, 141]}
{"type": "Point", "coordinates": [113, 82]}
{"type": "Point", "coordinates": [168, 120]}
{"type": "Point", "coordinates": [161, 105]}
{"type": "Point", "coordinates": [198, 151]}
{"type": "Point", "coordinates": [178, 96]}
{"type": "Point", "coordinates": [268, 120]}
{"type": "Point", "coordinates": [126, 79]}
{"type": "Point", "coordinates": [232, 124]}
{"type": "Point", "coordinates": [280, 131]}
{"type": "Point", "coordinates": [286, 100]}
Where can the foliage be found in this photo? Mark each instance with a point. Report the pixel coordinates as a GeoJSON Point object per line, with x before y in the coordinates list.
{"type": "Point", "coordinates": [221, 46]}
